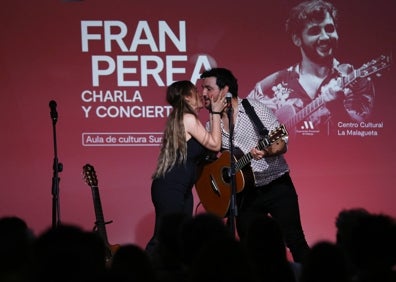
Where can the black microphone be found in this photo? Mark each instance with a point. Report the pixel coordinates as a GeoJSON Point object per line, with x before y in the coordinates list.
{"type": "Point", "coordinates": [228, 99]}
{"type": "Point", "coordinates": [54, 113]}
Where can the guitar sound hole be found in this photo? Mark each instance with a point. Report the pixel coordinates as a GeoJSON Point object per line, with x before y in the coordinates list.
{"type": "Point", "coordinates": [226, 173]}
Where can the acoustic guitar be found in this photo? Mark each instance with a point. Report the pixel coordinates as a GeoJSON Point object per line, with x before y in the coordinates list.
{"type": "Point", "coordinates": [214, 182]}
{"type": "Point", "coordinates": [100, 224]}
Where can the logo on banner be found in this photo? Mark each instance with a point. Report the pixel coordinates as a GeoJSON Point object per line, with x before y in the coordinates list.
{"type": "Point", "coordinates": [307, 128]}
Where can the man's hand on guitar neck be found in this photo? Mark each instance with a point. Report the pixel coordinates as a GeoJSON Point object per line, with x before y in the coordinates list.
{"type": "Point", "coordinates": [330, 91]}
{"type": "Point", "coordinates": [276, 148]}
{"type": "Point", "coordinates": [258, 154]}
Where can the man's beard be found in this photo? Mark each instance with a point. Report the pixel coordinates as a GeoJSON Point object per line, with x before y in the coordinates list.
{"type": "Point", "coordinates": [321, 54]}
{"type": "Point", "coordinates": [206, 103]}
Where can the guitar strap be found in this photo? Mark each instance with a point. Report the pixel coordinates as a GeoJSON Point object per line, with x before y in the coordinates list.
{"type": "Point", "coordinates": [262, 130]}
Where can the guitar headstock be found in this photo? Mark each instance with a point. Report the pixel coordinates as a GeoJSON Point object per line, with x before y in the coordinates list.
{"type": "Point", "coordinates": [277, 133]}
{"type": "Point", "coordinates": [274, 135]}
{"type": "Point", "coordinates": [90, 175]}
{"type": "Point", "coordinates": [374, 66]}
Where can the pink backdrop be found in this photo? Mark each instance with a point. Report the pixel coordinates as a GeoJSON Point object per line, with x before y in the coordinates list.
{"type": "Point", "coordinates": [43, 59]}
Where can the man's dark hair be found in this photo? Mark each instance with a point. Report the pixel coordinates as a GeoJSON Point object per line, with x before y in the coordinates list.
{"type": "Point", "coordinates": [224, 77]}
{"type": "Point", "coordinates": [309, 11]}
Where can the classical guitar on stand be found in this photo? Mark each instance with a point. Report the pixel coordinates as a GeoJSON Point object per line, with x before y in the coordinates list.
{"type": "Point", "coordinates": [100, 224]}
{"type": "Point", "coordinates": [213, 184]}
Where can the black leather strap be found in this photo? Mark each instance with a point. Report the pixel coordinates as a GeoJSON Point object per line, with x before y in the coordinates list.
{"type": "Point", "coordinates": [262, 130]}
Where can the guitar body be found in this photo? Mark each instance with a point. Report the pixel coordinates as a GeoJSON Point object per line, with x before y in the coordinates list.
{"type": "Point", "coordinates": [214, 185]}
{"type": "Point", "coordinates": [214, 182]}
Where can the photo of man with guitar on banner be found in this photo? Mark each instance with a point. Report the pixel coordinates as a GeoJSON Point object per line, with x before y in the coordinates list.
{"type": "Point", "coordinates": [314, 95]}
{"type": "Point", "coordinates": [262, 140]}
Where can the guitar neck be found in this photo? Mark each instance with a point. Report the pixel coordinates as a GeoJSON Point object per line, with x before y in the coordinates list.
{"type": "Point", "coordinates": [319, 101]}
{"type": "Point", "coordinates": [100, 223]}
{"type": "Point", "coordinates": [342, 81]}
{"type": "Point", "coordinates": [309, 109]}
{"type": "Point", "coordinates": [243, 161]}
{"type": "Point", "coordinates": [367, 70]}
{"type": "Point", "coordinates": [264, 143]}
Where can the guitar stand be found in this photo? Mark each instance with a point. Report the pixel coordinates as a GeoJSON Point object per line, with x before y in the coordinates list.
{"type": "Point", "coordinates": [97, 223]}
{"type": "Point", "coordinates": [233, 207]}
{"type": "Point", "coordinates": [57, 167]}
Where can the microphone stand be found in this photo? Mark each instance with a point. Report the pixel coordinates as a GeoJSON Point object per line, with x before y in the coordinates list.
{"type": "Point", "coordinates": [233, 207]}
{"type": "Point", "coordinates": [57, 167]}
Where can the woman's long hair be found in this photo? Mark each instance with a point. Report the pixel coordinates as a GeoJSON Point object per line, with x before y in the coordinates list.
{"type": "Point", "coordinates": [174, 145]}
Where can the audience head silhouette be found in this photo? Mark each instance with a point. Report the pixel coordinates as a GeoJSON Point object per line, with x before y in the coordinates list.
{"type": "Point", "coordinates": [16, 240]}
{"type": "Point", "coordinates": [368, 241]}
{"type": "Point", "coordinates": [67, 253]}
{"type": "Point", "coordinates": [266, 250]}
{"type": "Point", "coordinates": [131, 263]}
{"type": "Point", "coordinates": [325, 262]}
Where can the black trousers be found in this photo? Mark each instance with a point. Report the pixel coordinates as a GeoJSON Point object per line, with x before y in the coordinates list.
{"type": "Point", "coordinates": [168, 199]}
{"type": "Point", "coordinates": [278, 199]}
